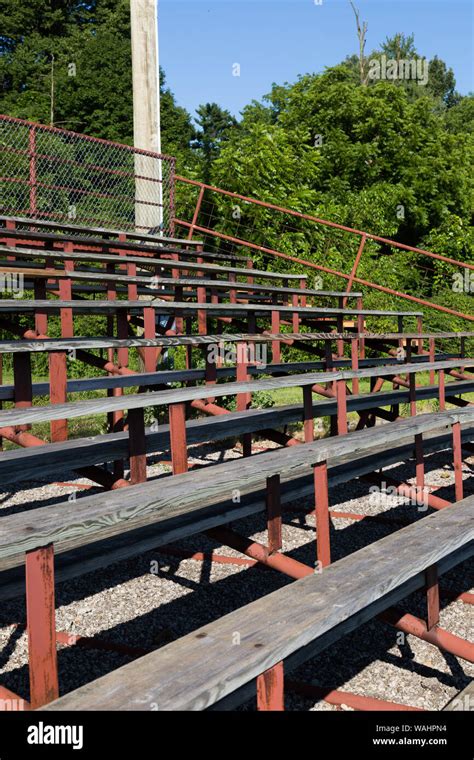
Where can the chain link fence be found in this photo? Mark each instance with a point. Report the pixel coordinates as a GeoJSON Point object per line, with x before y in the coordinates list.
{"type": "Point", "coordinates": [50, 173]}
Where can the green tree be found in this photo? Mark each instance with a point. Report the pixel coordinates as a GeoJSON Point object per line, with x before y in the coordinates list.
{"type": "Point", "coordinates": [90, 75]}
{"type": "Point", "coordinates": [215, 124]}
{"type": "Point", "coordinates": [460, 118]}
{"type": "Point", "coordinates": [368, 157]}
{"type": "Point", "coordinates": [440, 84]}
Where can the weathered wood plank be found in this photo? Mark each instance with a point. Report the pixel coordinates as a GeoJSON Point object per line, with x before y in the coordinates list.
{"type": "Point", "coordinates": [462, 701]}
{"type": "Point", "coordinates": [154, 283]}
{"type": "Point", "coordinates": [203, 667]}
{"type": "Point", "coordinates": [59, 344]}
{"type": "Point", "coordinates": [132, 234]}
{"type": "Point", "coordinates": [163, 377]}
{"type": "Point", "coordinates": [134, 543]}
{"type": "Point", "coordinates": [45, 461]}
{"type": "Point", "coordinates": [54, 255]}
{"type": "Point", "coordinates": [184, 497]}
{"type": "Point", "coordinates": [34, 414]}
{"type": "Point", "coordinates": [180, 308]}
{"type": "Point", "coordinates": [128, 245]}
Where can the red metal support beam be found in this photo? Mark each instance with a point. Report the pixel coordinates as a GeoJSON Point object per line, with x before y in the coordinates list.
{"type": "Point", "coordinates": [355, 364]}
{"type": "Point", "coordinates": [150, 354]}
{"type": "Point", "coordinates": [419, 327]}
{"type": "Point", "coordinates": [23, 388]}
{"type": "Point", "coordinates": [41, 622]}
{"type": "Point", "coordinates": [432, 597]}
{"type": "Point", "coordinates": [308, 413]}
{"type": "Point", "coordinates": [276, 350]}
{"type": "Point", "coordinates": [232, 291]}
{"type": "Point", "coordinates": [338, 698]}
{"type": "Point", "coordinates": [457, 461]}
{"type": "Point", "coordinates": [137, 445]}
{"type": "Point", "coordinates": [210, 371]}
{"type": "Point", "coordinates": [296, 316]}
{"type": "Point", "coordinates": [270, 689]}
{"type": "Point", "coordinates": [253, 549]}
{"type": "Point", "coordinates": [355, 266]}
{"type": "Point", "coordinates": [196, 212]}
{"type": "Point", "coordinates": [437, 636]}
{"type": "Point", "coordinates": [341, 407]}
{"type": "Point", "coordinates": [132, 287]}
{"type": "Point", "coordinates": [423, 497]}
{"type": "Point", "coordinates": [179, 449]}
{"type": "Point", "coordinates": [243, 400]}
{"type": "Point", "coordinates": [432, 355]}
{"type": "Point", "coordinates": [442, 390]}
{"type": "Point", "coordinates": [58, 392]}
{"type": "Point", "coordinates": [303, 287]}
{"type": "Point", "coordinates": [250, 279]}
{"type": "Point", "coordinates": [274, 520]}
{"type": "Point", "coordinates": [323, 541]}
{"type": "Point", "coordinates": [65, 294]}
{"type": "Point", "coordinates": [9, 701]}
{"type": "Point", "coordinates": [41, 318]}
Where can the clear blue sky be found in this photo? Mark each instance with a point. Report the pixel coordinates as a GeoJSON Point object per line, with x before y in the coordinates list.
{"type": "Point", "coordinates": [276, 40]}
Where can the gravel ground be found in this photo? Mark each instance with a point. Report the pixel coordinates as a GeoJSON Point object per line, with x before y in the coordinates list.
{"type": "Point", "coordinates": [155, 598]}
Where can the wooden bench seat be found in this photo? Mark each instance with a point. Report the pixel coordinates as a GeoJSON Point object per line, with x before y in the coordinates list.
{"type": "Point", "coordinates": [41, 462]}
{"type": "Point", "coordinates": [155, 283]}
{"type": "Point", "coordinates": [192, 502]}
{"type": "Point", "coordinates": [190, 266]}
{"type": "Point", "coordinates": [32, 415]}
{"type": "Point", "coordinates": [184, 376]}
{"type": "Point", "coordinates": [177, 308]}
{"type": "Point", "coordinates": [64, 344]}
{"type": "Point", "coordinates": [341, 469]}
{"type": "Point", "coordinates": [291, 624]}
{"type": "Point", "coordinates": [130, 240]}
{"type": "Point", "coordinates": [102, 231]}
{"type": "Point", "coordinates": [153, 247]}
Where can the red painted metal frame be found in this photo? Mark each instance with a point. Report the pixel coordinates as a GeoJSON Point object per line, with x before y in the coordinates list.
{"type": "Point", "coordinates": [338, 698]}
{"type": "Point", "coordinates": [274, 518]}
{"type": "Point", "coordinates": [321, 491]}
{"type": "Point", "coordinates": [270, 689]}
{"type": "Point", "coordinates": [432, 597]}
{"type": "Point", "coordinates": [41, 626]}
{"type": "Point", "coordinates": [364, 236]}
{"type": "Point", "coordinates": [137, 445]}
{"type": "Point", "coordinates": [179, 452]}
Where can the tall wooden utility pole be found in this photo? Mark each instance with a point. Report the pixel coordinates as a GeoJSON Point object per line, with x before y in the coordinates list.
{"type": "Point", "coordinates": [146, 110]}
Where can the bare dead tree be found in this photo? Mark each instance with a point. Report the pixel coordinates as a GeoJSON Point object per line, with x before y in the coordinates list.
{"type": "Point", "coordinates": [361, 34]}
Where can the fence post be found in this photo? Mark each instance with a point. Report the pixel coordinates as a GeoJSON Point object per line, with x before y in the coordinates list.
{"type": "Point", "coordinates": [196, 212]}
{"type": "Point", "coordinates": [172, 188]}
{"type": "Point", "coordinates": [32, 180]}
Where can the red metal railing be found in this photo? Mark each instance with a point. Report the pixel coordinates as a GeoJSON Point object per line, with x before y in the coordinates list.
{"type": "Point", "coordinates": [208, 222]}
{"type": "Point", "coordinates": [51, 173]}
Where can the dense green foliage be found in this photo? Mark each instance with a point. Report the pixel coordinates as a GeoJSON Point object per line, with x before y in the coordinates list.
{"type": "Point", "coordinates": [392, 157]}
{"type": "Point", "coordinates": [215, 126]}
{"type": "Point", "coordinates": [95, 95]}
{"type": "Point", "coordinates": [368, 157]}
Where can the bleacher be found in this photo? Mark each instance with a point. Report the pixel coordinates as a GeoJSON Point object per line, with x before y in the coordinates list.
{"type": "Point", "coordinates": [144, 295]}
